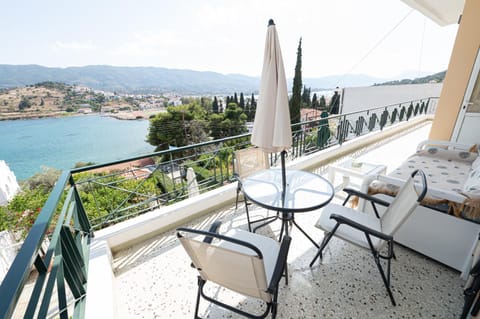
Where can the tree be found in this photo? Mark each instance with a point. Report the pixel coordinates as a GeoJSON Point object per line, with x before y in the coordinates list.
{"type": "Point", "coordinates": [251, 109]}
{"type": "Point", "coordinates": [322, 103]}
{"type": "Point", "coordinates": [206, 103]}
{"type": "Point", "coordinates": [335, 103]}
{"type": "Point", "coordinates": [242, 101]}
{"type": "Point", "coordinates": [215, 105]}
{"type": "Point", "coordinates": [306, 102]}
{"type": "Point", "coordinates": [180, 125]}
{"type": "Point", "coordinates": [24, 103]}
{"type": "Point", "coordinates": [230, 123]}
{"type": "Point", "coordinates": [323, 133]}
{"type": "Point", "coordinates": [296, 99]}
{"type": "Point", "coordinates": [235, 98]}
{"type": "Point", "coordinates": [99, 98]}
{"type": "Point", "coordinates": [315, 103]}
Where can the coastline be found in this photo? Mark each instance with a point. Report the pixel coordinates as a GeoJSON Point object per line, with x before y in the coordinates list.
{"type": "Point", "coordinates": [122, 115]}
{"type": "Point", "coordinates": [32, 116]}
{"type": "Point", "coordinates": [134, 115]}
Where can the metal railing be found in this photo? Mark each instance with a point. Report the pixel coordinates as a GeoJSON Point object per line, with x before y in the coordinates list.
{"type": "Point", "coordinates": [111, 195]}
{"type": "Point", "coordinates": [62, 220]}
{"type": "Point", "coordinates": [96, 196]}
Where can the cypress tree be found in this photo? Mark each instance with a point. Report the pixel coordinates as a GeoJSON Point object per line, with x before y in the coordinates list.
{"type": "Point", "coordinates": [296, 99]}
{"type": "Point", "coordinates": [315, 103]}
{"type": "Point", "coordinates": [253, 108]}
{"type": "Point", "coordinates": [306, 102]}
{"type": "Point", "coordinates": [242, 101]}
{"type": "Point", "coordinates": [235, 98]}
{"type": "Point", "coordinates": [215, 105]}
{"type": "Point", "coordinates": [323, 103]}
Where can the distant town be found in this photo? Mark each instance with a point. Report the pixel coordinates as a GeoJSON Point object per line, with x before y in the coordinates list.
{"type": "Point", "coordinates": [48, 99]}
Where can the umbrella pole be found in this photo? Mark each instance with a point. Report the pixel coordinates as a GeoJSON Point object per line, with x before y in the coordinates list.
{"type": "Point", "coordinates": [284, 177]}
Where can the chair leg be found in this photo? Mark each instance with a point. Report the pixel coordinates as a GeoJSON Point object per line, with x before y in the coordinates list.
{"type": "Point", "coordinates": [248, 215]}
{"type": "Point", "coordinates": [274, 304]}
{"type": "Point", "coordinates": [326, 239]}
{"type": "Point", "coordinates": [385, 277]}
{"type": "Point", "coordinates": [201, 282]}
{"type": "Point", "coordinates": [238, 192]}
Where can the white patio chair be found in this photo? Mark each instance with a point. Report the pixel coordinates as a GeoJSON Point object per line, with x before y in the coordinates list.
{"type": "Point", "coordinates": [372, 232]}
{"type": "Point", "coordinates": [241, 261]}
{"type": "Point", "coordinates": [247, 162]}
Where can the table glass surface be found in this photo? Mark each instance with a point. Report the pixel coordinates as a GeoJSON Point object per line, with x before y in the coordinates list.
{"type": "Point", "coordinates": [304, 191]}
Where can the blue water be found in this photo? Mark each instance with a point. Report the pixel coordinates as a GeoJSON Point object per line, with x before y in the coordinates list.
{"type": "Point", "coordinates": [27, 145]}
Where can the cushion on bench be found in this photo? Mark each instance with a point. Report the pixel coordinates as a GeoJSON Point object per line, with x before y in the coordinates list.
{"type": "Point", "coordinates": [449, 170]}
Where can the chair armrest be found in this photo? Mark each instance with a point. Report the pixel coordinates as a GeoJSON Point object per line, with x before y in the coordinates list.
{"type": "Point", "coordinates": [344, 220]}
{"type": "Point", "coordinates": [353, 192]}
{"type": "Point", "coordinates": [210, 235]}
{"type": "Point", "coordinates": [213, 229]}
{"type": "Point", "coordinates": [280, 263]}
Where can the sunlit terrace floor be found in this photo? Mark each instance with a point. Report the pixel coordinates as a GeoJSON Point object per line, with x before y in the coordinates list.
{"type": "Point", "coordinates": [154, 279]}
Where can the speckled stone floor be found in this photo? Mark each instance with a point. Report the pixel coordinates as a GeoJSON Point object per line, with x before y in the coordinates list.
{"type": "Point", "coordinates": [154, 279]}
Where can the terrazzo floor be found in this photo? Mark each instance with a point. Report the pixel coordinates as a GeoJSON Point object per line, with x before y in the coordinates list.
{"type": "Point", "coordinates": [154, 279]}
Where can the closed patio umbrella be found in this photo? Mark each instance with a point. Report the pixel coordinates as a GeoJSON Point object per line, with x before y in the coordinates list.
{"type": "Point", "coordinates": [271, 129]}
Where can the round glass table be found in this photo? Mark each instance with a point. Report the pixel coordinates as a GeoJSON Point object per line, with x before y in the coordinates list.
{"type": "Point", "coordinates": [304, 191]}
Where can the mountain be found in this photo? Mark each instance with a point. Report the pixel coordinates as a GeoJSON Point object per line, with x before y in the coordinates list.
{"type": "Point", "coordinates": [433, 78]}
{"type": "Point", "coordinates": [161, 80]}
{"type": "Point", "coordinates": [129, 79]}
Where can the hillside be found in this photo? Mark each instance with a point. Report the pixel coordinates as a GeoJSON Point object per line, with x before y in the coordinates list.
{"type": "Point", "coordinates": [129, 79]}
{"type": "Point", "coordinates": [155, 80]}
{"type": "Point", "coordinates": [53, 99]}
{"type": "Point", "coordinates": [434, 78]}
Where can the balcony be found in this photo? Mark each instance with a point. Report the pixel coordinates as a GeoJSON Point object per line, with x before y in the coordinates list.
{"type": "Point", "coordinates": [153, 279]}
{"type": "Point", "coordinates": [137, 269]}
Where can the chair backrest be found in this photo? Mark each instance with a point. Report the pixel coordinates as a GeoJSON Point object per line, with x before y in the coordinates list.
{"type": "Point", "coordinates": [230, 264]}
{"type": "Point", "coordinates": [250, 160]}
{"type": "Point", "coordinates": [407, 199]}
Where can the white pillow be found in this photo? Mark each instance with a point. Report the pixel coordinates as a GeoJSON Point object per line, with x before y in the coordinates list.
{"type": "Point", "coordinates": [473, 181]}
{"type": "Point", "coordinates": [476, 163]}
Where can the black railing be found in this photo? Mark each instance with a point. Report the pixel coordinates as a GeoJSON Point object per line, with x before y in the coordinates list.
{"type": "Point", "coordinates": [101, 195]}
{"type": "Point", "coordinates": [63, 223]}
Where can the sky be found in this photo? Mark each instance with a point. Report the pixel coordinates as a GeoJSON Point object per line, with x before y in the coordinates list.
{"type": "Point", "coordinates": [227, 36]}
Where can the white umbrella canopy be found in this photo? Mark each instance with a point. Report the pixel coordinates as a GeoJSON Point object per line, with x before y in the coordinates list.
{"type": "Point", "coordinates": [271, 129]}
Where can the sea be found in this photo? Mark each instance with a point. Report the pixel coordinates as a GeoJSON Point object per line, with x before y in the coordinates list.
{"type": "Point", "coordinates": [29, 145]}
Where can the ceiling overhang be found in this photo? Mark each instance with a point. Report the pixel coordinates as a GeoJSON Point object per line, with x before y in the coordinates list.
{"type": "Point", "coordinates": [442, 12]}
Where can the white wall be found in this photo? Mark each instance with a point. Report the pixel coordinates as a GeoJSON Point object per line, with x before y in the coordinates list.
{"type": "Point", "coordinates": [8, 252]}
{"type": "Point", "coordinates": [8, 184]}
{"type": "Point", "coordinates": [362, 98]}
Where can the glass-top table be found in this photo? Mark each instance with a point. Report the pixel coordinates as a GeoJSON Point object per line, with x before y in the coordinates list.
{"type": "Point", "coordinates": [304, 192]}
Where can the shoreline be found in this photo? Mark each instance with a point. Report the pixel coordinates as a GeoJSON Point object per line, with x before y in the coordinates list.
{"type": "Point", "coordinates": [122, 115]}
{"type": "Point", "coordinates": [16, 117]}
